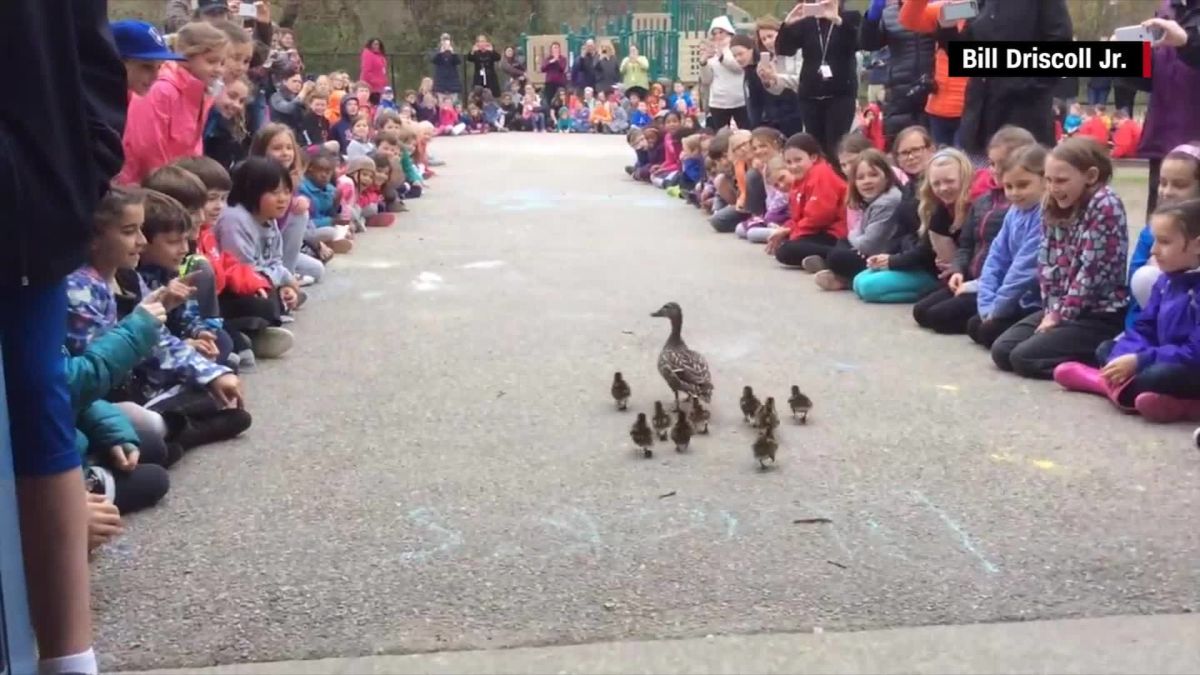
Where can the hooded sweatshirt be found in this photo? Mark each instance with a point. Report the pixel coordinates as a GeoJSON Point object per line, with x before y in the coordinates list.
{"type": "Point", "coordinates": [165, 124]}
{"type": "Point", "coordinates": [254, 243]}
{"type": "Point", "coordinates": [342, 131]}
{"type": "Point", "coordinates": [984, 221]}
{"type": "Point", "coordinates": [1009, 280]}
{"type": "Point", "coordinates": [323, 202]}
{"type": "Point", "coordinates": [1168, 330]}
{"type": "Point", "coordinates": [728, 89]}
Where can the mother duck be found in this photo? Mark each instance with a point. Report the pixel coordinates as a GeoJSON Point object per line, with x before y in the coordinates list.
{"type": "Point", "coordinates": [684, 369]}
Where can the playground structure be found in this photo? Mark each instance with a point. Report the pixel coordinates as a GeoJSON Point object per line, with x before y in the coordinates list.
{"type": "Point", "coordinates": [670, 40]}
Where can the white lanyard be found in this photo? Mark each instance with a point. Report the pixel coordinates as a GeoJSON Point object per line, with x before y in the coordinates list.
{"type": "Point", "coordinates": [824, 40]}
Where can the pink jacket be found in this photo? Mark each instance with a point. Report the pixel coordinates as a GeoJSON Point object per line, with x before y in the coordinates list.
{"type": "Point", "coordinates": [373, 70]}
{"type": "Point", "coordinates": [165, 124]}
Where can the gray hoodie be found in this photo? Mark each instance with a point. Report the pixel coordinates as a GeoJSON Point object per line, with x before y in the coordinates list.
{"type": "Point", "coordinates": [252, 242]}
{"type": "Point", "coordinates": [878, 225]}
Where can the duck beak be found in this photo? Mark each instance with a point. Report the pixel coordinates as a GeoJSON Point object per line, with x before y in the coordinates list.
{"type": "Point", "coordinates": [658, 313]}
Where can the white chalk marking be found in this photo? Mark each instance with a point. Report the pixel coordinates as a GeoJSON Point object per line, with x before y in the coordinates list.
{"type": "Point", "coordinates": [427, 281]}
{"type": "Point", "coordinates": [371, 295]}
{"type": "Point", "coordinates": [483, 265]}
{"type": "Point", "coordinates": [963, 537]}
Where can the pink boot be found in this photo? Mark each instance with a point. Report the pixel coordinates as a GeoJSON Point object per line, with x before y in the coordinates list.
{"type": "Point", "coordinates": [1166, 409]}
{"type": "Point", "coordinates": [1075, 376]}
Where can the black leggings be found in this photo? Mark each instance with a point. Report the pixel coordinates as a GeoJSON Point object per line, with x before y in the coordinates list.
{"type": "Point", "coordinates": [985, 333]}
{"type": "Point", "coordinates": [1152, 198]}
{"type": "Point", "coordinates": [845, 261]}
{"type": "Point", "coordinates": [794, 251]}
{"type": "Point", "coordinates": [718, 118]}
{"type": "Point", "coordinates": [250, 313]}
{"type": "Point", "coordinates": [148, 483]}
{"type": "Point", "coordinates": [1030, 354]}
{"type": "Point", "coordinates": [829, 119]}
{"type": "Point", "coordinates": [944, 312]}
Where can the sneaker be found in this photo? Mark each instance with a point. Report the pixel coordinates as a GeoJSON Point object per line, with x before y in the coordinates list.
{"type": "Point", "coordinates": [828, 281]}
{"type": "Point", "coordinates": [341, 245]}
{"type": "Point", "coordinates": [675, 192]}
{"type": "Point", "coordinates": [272, 343]}
{"type": "Point", "coordinates": [305, 280]}
{"type": "Point", "coordinates": [629, 169]}
{"type": "Point", "coordinates": [813, 264]}
{"type": "Point", "coordinates": [99, 481]}
{"type": "Point", "coordinates": [246, 362]}
{"type": "Point", "coordinates": [1074, 376]}
{"type": "Point", "coordinates": [233, 361]}
{"type": "Point", "coordinates": [287, 318]}
{"type": "Point", "coordinates": [219, 426]}
{"type": "Point", "coordinates": [1166, 409]}
{"type": "Point", "coordinates": [434, 161]}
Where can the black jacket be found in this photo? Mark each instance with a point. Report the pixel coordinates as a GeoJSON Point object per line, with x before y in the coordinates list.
{"type": "Point", "coordinates": [806, 36]}
{"type": "Point", "coordinates": [916, 250]}
{"type": "Point", "coordinates": [911, 57]}
{"type": "Point", "coordinates": [446, 79]}
{"type": "Point", "coordinates": [583, 72]}
{"type": "Point", "coordinates": [60, 138]}
{"type": "Point", "coordinates": [778, 111]}
{"type": "Point", "coordinates": [485, 70]}
{"type": "Point", "coordinates": [984, 221]}
{"type": "Point", "coordinates": [608, 74]}
{"type": "Point", "coordinates": [1019, 101]}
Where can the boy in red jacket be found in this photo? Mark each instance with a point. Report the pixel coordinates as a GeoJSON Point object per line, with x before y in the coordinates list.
{"type": "Point", "coordinates": [1127, 135]}
{"type": "Point", "coordinates": [1094, 126]}
{"type": "Point", "coordinates": [817, 203]}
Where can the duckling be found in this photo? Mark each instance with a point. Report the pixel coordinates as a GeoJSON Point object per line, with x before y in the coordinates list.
{"type": "Point", "coordinates": [620, 391]}
{"type": "Point", "coordinates": [767, 418]}
{"type": "Point", "coordinates": [800, 404]}
{"type": "Point", "coordinates": [681, 433]}
{"type": "Point", "coordinates": [764, 447]}
{"type": "Point", "coordinates": [699, 416]}
{"type": "Point", "coordinates": [662, 421]}
{"type": "Point", "coordinates": [684, 369]}
{"type": "Point", "coordinates": [643, 435]}
{"type": "Point", "coordinates": [750, 403]}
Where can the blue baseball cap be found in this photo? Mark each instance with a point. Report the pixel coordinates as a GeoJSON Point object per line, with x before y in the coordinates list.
{"type": "Point", "coordinates": [140, 40]}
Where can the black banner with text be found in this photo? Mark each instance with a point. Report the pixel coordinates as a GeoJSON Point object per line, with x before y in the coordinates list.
{"type": "Point", "coordinates": [1049, 59]}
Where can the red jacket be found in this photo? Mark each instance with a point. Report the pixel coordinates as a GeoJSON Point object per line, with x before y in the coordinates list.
{"type": "Point", "coordinates": [231, 274]}
{"type": "Point", "coordinates": [1126, 139]}
{"type": "Point", "coordinates": [1096, 129]}
{"type": "Point", "coordinates": [817, 203]}
{"type": "Point", "coordinates": [373, 70]}
{"type": "Point", "coordinates": [165, 124]}
{"type": "Point", "coordinates": [873, 128]}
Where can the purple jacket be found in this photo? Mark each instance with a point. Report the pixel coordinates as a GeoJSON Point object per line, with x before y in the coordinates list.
{"type": "Point", "coordinates": [1168, 330]}
{"type": "Point", "coordinates": [1171, 119]}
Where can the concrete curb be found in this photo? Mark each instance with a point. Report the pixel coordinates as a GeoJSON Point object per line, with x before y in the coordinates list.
{"type": "Point", "coordinates": [1120, 644]}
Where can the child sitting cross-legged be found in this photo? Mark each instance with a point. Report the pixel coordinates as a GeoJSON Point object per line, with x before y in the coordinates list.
{"type": "Point", "coordinates": [1008, 284]}
{"type": "Point", "coordinates": [768, 207]}
{"type": "Point", "coordinates": [1081, 266]}
{"type": "Point", "coordinates": [200, 400]}
{"type": "Point", "coordinates": [818, 207]}
{"type": "Point", "coordinates": [332, 228]}
{"type": "Point", "coordinates": [873, 191]}
{"type": "Point", "coordinates": [241, 294]}
{"type": "Point", "coordinates": [1154, 368]}
{"type": "Point", "coordinates": [944, 203]}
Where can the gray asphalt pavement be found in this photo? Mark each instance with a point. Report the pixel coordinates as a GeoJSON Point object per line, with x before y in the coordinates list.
{"type": "Point", "coordinates": [437, 465]}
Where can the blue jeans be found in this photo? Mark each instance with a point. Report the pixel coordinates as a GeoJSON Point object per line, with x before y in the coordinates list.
{"type": "Point", "coordinates": [1098, 95]}
{"type": "Point", "coordinates": [33, 329]}
{"type": "Point", "coordinates": [944, 130]}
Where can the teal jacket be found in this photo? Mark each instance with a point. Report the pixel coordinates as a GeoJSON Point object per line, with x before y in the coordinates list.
{"type": "Point", "coordinates": [107, 360]}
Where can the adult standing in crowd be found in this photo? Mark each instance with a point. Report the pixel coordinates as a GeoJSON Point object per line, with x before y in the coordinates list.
{"type": "Point", "coordinates": [446, 80]}
{"type": "Point", "coordinates": [1174, 87]}
{"type": "Point", "coordinates": [555, 69]}
{"type": "Point", "coordinates": [512, 67]}
{"type": "Point", "coordinates": [55, 166]}
{"type": "Point", "coordinates": [607, 72]}
{"type": "Point", "coordinates": [583, 71]}
{"type": "Point", "coordinates": [909, 71]}
{"type": "Point", "coordinates": [727, 95]}
{"type": "Point", "coordinates": [485, 57]}
{"type": "Point", "coordinates": [828, 43]}
{"type": "Point", "coordinates": [771, 81]}
{"type": "Point", "coordinates": [995, 102]}
{"type": "Point", "coordinates": [373, 68]}
{"type": "Point", "coordinates": [635, 73]}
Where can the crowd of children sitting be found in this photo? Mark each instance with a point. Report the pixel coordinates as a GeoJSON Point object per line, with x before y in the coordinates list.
{"type": "Point", "coordinates": [1120, 132]}
{"type": "Point", "coordinates": [525, 108]}
{"type": "Point", "coordinates": [205, 244]}
{"type": "Point", "coordinates": [1028, 256]}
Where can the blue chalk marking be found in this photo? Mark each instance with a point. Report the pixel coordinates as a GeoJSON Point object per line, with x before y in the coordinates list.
{"type": "Point", "coordinates": [425, 517]}
{"type": "Point", "coordinates": [731, 523]}
{"type": "Point", "coordinates": [964, 538]}
{"type": "Point", "coordinates": [844, 367]}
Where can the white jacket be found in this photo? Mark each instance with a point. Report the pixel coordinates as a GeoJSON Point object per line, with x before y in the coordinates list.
{"type": "Point", "coordinates": [728, 89]}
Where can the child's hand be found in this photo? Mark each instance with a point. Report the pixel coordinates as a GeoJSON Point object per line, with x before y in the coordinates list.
{"type": "Point", "coordinates": [1119, 370]}
{"type": "Point", "coordinates": [124, 457]}
{"type": "Point", "coordinates": [227, 389]}
{"type": "Point", "coordinates": [323, 252]}
{"type": "Point", "coordinates": [301, 205]}
{"type": "Point", "coordinates": [152, 305]}
{"type": "Point", "coordinates": [262, 12]}
{"type": "Point", "coordinates": [206, 348]}
{"type": "Point", "coordinates": [1049, 321]}
{"type": "Point", "coordinates": [879, 261]}
{"type": "Point", "coordinates": [289, 297]}
{"type": "Point", "coordinates": [176, 294]}
{"type": "Point", "coordinates": [776, 240]}
{"type": "Point", "coordinates": [104, 521]}
{"type": "Point", "coordinates": [955, 282]}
